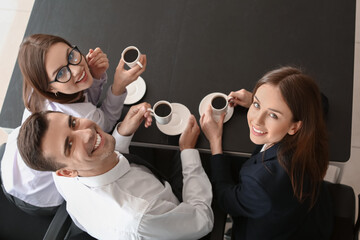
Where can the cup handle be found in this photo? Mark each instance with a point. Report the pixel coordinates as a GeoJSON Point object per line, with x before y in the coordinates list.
{"type": "Point", "coordinates": [230, 99]}
{"type": "Point", "coordinates": [139, 63]}
{"type": "Point", "coordinates": [151, 111]}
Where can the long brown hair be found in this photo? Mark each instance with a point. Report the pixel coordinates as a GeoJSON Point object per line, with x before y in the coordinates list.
{"type": "Point", "coordinates": [31, 61]}
{"type": "Point", "coordinates": [303, 155]}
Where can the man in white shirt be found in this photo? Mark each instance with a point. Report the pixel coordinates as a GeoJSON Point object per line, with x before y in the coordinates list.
{"type": "Point", "coordinates": [107, 196]}
{"type": "Point", "coordinates": [33, 191]}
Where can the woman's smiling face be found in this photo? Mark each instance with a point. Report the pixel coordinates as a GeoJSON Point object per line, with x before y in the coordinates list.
{"type": "Point", "coordinates": [269, 117]}
{"type": "Point", "coordinates": [57, 57]}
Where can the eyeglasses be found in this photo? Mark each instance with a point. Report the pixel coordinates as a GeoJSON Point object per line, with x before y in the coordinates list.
{"type": "Point", "coordinates": [64, 74]}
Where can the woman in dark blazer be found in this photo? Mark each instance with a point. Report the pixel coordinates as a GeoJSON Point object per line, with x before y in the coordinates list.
{"type": "Point", "coordinates": [280, 193]}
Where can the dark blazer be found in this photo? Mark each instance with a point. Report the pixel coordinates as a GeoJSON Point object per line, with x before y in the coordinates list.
{"type": "Point", "coordinates": [262, 203]}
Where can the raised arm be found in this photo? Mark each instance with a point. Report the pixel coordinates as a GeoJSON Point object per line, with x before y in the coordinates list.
{"type": "Point", "coordinates": [193, 218]}
{"type": "Point", "coordinates": [124, 131]}
{"type": "Point", "coordinates": [113, 103]}
{"type": "Point", "coordinates": [98, 64]}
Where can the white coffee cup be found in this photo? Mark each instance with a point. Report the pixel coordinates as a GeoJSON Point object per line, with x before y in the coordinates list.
{"type": "Point", "coordinates": [219, 104]}
{"type": "Point", "coordinates": [131, 56]}
{"type": "Point", "coordinates": [162, 111]}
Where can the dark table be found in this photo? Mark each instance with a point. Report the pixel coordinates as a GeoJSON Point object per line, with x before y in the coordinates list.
{"type": "Point", "coordinates": [202, 46]}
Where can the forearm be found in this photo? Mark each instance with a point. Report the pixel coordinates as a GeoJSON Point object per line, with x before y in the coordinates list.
{"type": "Point", "coordinates": [194, 224]}
{"type": "Point", "coordinates": [245, 198]}
{"type": "Point", "coordinates": [216, 146]}
{"type": "Point", "coordinates": [94, 92]}
{"type": "Point", "coordinates": [197, 190]}
{"type": "Point", "coordinates": [197, 185]}
{"type": "Point", "coordinates": [118, 88]}
{"type": "Point", "coordinates": [196, 214]}
{"type": "Point", "coordinates": [112, 107]}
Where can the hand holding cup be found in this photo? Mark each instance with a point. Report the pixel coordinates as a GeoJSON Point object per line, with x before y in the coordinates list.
{"type": "Point", "coordinates": [131, 56]}
{"type": "Point", "coordinates": [123, 77]}
{"type": "Point", "coordinates": [162, 111]}
{"type": "Point", "coordinates": [219, 105]}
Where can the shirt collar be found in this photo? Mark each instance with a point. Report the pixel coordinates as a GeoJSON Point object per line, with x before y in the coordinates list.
{"type": "Point", "coordinates": [120, 169]}
{"type": "Point", "coordinates": [268, 154]}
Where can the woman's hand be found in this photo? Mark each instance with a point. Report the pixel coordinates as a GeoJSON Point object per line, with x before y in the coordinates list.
{"type": "Point", "coordinates": [98, 62]}
{"type": "Point", "coordinates": [213, 130]}
{"type": "Point", "coordinates": [124, 77]}
{"type": "Point", "coordinates": [241, 97]}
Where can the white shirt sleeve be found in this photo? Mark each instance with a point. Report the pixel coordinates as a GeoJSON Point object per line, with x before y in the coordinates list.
{"type": "Point", "coordinates": [122, 143]}
{"type": "Point", "coordinates": [106, 116]}
{"type": "Point", "coordinates": [191, 219]}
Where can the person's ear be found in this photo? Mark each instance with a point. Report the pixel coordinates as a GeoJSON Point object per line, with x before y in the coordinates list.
{"type": "Point", "coordinates": [64, 172]}
{"type": "Point", "coordinates": [295, 127]}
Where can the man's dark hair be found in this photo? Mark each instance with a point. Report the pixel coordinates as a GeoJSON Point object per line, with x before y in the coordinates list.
{"type": "Point", "coordinates": [30, 140]}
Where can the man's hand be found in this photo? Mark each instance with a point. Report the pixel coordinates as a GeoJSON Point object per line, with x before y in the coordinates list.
{"type": "Point", "coordinates": [213, 130]}
{"type": "Point", "coordinates": [189, 137]}
{"type": "Point", "coordinates": [98, 62]}
{"type": "Point", "coordinates": [124, 77]}
{"type": "Point", "coordinates": [136, 115]}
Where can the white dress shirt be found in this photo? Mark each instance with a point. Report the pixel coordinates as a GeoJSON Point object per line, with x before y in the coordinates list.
{"type": "Point", "coordinates": [37, 187]}
{"type": "Point", "coordinates": [129, 202]}
{"type": "Point", "coordinates": [34, 187]}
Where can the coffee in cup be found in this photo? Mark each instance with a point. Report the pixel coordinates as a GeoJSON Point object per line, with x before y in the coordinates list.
{"type": "Point", "coordinates": [162, 111]}
{"type": "Point", "coordinates": [131, 56]}
{"type": "Point", "coordinates": [219, 104]}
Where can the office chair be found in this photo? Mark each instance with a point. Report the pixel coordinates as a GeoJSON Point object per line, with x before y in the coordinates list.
{"type": "Point", "coordinates": [16, 224]}
{"type": "Point", "coordinates": [56, 227]}
{"type": "Point", "coordinates": [344, 202]}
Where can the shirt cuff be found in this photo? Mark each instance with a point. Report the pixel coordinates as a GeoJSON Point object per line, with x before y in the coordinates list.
{"type": "Point", "coordinates": [116, 99]}
{"type": "Point", "coordinates": [122, 143]}
{"type": "Point", "coordinates": [190, 156]}
{"type": "Point", "coordinates": [101, 81]}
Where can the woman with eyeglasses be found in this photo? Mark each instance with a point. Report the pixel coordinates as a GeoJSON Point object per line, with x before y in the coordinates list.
{"type": "Point", "coordinates": [58, 77]}
{"type": "Point", "coordinates": [280, 192]}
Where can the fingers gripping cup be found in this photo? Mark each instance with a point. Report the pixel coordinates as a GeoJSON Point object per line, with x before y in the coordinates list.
{"type": "Point", "coordinates": [131, 56]}
{"type": "Point", "coordinates": [219, 105]}
{"type": "Point", "coordinates": [162, 111]}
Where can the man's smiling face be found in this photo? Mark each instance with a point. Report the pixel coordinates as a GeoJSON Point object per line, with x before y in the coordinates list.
{"type": "Point", "coordinates": [80, 144]}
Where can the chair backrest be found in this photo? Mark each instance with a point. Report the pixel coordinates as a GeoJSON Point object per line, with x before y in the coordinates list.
{"type": "Point", "coordinates": [2, 150]}
{"type": "Point", "coordinates": [344, 203]}
{"type": "Point", "coordinates": [12, 219]}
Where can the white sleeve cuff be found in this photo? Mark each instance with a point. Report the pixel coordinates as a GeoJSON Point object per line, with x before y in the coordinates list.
{"type": "Point", "coordinates": [122, 143]}
{"type": "Point", "coordinates": [190, 156]}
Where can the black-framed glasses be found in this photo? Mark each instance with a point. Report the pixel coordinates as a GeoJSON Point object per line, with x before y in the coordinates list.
{"type": "Point", "coordinates": [64, 74]}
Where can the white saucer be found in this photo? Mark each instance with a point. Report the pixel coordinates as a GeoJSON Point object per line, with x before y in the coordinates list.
{"type": "Point", "coordinates": [179, 120]}
{"type": "Point", "coordinates": [135, 91]}
{"type": "Point", "coordinates": [205, 102]}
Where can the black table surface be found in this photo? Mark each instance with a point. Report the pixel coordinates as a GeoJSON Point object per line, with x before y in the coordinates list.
{"type": "Point", "coordinates": [202, 46]}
